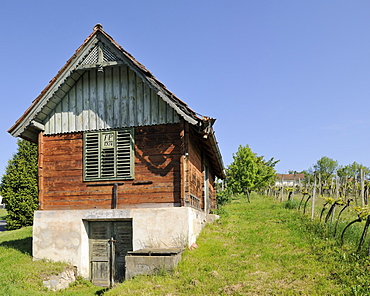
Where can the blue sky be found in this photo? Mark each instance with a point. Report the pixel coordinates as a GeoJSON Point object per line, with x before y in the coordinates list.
{"type": "Point", "coordinates": [289, 78]}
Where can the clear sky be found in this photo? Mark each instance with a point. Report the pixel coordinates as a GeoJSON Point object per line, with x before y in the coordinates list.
{"type": "Point", "coordinates": [289, 78]}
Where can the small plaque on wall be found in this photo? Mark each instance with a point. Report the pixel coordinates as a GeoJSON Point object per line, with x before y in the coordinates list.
{"type": "Point", "coordinates": [108, 140]}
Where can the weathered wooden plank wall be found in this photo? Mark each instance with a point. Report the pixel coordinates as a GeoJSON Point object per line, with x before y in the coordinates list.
{"type": "Point", "coordinates": [195, 169]}
{"type": "Point", "coordinates": [112, 99]}
{"type": "Point", "coordinates": [157, 159]}
{"type": "Point", "coordinates": [196, 161]}
{"type": "Point", "coordinates": [212, 190]}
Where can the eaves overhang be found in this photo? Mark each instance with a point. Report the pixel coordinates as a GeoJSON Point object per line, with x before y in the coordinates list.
{"type": "Point", "coordinates": [99, 43]}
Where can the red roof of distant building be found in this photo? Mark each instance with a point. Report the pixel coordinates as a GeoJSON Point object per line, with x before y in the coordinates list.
{"type": "Point", "coordinates": [290, 176]}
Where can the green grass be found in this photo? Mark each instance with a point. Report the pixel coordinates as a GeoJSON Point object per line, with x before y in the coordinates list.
{"type": "Point", "coordinates": [2, 214]}
{"type": "Point", "coordinates": [260, 248]}
{"type": "Point", "coordinates": [20, 275]}
{"type": "Point", "coordinates": [265, 247]}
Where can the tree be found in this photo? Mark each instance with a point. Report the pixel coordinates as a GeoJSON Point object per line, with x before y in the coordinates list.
{"type": "Point", "coordinates": [326, 167]}
{"type": "Point", "coordinates": [19, 186]}
{"type": "Point", "coordinates": [249, 172]}
{"type": "Point", "coordinates": [350, 174]}
{"type": "Point", "coordinates": [323, 170]}
{"type": "Point", "coordinates": [352, 171]}
{"type": "Point", "coordinates": [295, 172]}
{"type": "Point", "coordinates": [266, 172]}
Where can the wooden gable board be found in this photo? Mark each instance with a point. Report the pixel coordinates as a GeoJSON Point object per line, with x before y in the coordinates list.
{"type": "Point", "coordinates": [101, 44]}
{"type": "Point", "coordinates": [114, 98]}
{"type": "Point", "coordinates": [62, 106]}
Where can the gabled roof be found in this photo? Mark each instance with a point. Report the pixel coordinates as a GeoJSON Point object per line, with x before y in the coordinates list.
{"type": "Point", "coordinates": [287, 177]}
{"type": "Point", "coordinates": [99, 50]}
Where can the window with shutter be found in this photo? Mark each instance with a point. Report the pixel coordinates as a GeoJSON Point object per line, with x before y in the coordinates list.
{"type": "Point", "coordinates": [108, 155]}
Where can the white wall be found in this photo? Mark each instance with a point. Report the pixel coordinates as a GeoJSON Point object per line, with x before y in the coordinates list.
{"type": "Point", "coordinates": [63, 235]}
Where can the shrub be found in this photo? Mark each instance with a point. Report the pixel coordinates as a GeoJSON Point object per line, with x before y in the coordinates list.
{"type": "Point", "coordinates": [223, 197]}
{"type": "Point", "coordinates": [19, 186]}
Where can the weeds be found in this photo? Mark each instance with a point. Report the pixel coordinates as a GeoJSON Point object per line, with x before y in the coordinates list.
{"type": "Point", "coordinates": [291, 204]}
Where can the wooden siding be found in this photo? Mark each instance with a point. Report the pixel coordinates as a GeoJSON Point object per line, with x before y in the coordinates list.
{"type": "Point", "coordinates": [195, 174]}
{"type": "Point", "coordinates": [212, 190]}
{"type": "Point", "coordinates": [157, 172]}
{"type": "Point", "coordinates": [113, 99]}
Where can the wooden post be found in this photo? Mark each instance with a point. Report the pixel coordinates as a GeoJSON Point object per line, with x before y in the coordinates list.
{"type": "Point", "coordinates": [115, 196]}
{"type": "Point", "coordinates": [362, 187]}
{"type": "Point", "coordinates": [282, 188]}
{"type": "Point", "coordinates": [114, 200]}
{"type": "Point", "coordinates": [331, 187]}
{"type": "Point", "coordinates": [184, 167]}
{"type": "Point", "coordinates": [354, 191]}
{"type": "Point", "coordinates": [336, 187]}
{"type": "Point", "coordinates": [40, 163]}
{"type": "Point", "coordinates": [313, 198]}
{"type": "Point", "coordinates": [293, 186]}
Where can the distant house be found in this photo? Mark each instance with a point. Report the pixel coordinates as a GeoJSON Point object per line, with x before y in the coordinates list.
{"type": "Point", "coordinates": [289, 180]}
{"type": "Point", "coordinates": [123, 163]}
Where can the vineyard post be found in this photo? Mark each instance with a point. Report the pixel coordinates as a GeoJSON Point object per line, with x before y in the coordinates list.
{"type": "Point", "coordinates": [313, 197]}
{"type": "Point", "coordinates": [336, 187]}
{"type": "Point", "coordinates": [293, 186]}
{"type": "Point", "coordinates": [362, 187]}
{"type": "Point", "coordinates": [282, 188]}
{"type": "Point", "coordinates": [331, 188]}
{"type": "Point", "coordinates": [354, 190]}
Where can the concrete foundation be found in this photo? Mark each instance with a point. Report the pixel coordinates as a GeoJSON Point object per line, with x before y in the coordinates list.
{"type": "Point", "coordinates": [150, 261]}
{"type": "Point", "coordinates": [63, 235]}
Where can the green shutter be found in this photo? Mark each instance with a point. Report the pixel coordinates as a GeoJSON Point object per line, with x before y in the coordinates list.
{"type": "Point", "coordinates": [125, 154]}
{"type": "Point", "coordinates": [91, 156]}
{"type": "Point", "coordinates": [108, 155]}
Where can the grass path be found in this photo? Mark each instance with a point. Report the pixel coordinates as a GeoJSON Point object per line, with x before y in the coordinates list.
{"type": "Point", "coordinates": [257, 248]}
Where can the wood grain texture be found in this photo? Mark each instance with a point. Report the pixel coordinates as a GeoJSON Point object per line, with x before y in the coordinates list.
{"type": "Point", "coordinates": [157, 159]}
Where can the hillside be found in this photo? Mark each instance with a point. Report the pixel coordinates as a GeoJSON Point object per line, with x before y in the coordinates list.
{"type": "Point", "coordinates": [257, 248]}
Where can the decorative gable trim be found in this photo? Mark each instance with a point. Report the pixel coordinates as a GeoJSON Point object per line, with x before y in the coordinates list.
{"type": "Point", "coordinates": [98, 51]}
{"type": "Point", "coordinates": [113, 98]}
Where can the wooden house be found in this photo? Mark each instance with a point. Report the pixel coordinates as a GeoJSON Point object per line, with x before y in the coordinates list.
{"type": "Point", "coordinates": [123, 163]}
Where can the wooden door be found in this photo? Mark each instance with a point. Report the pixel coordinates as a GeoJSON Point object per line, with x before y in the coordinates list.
{"type": "Point", "coordinates": [109, 243]}
{"type": "Point", "coordinates": [122, 231]}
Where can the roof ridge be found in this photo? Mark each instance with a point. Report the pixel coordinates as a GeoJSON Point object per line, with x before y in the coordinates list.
{"type": "Point", "coordinates": [98, 29]}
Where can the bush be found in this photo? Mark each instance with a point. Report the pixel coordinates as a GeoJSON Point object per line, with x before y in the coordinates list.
{"type": "Point", "coordinates": [223, 197]}
{"type": "Point", "coordinates": [291, 204]}
{"type": "Point", "coordinates": [19, 186]}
